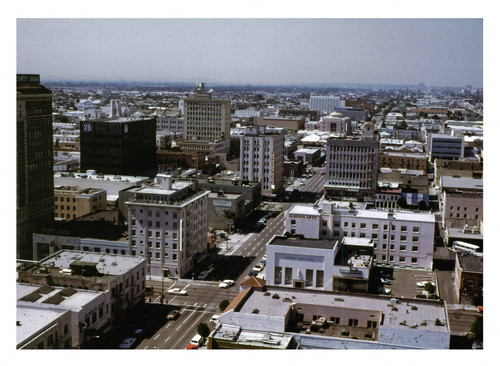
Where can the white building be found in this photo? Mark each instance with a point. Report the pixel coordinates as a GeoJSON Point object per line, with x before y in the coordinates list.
{"type": "Point", "coordinates": [401, 238]}
{"type": "Point", "coordinates": [168, 224]}
{"type": "Point", "coordinates": [335, 122]}
{"type": "Point", "coordinates": [324, 104]}
{"type": "Point", "coordinates": [262, 156]}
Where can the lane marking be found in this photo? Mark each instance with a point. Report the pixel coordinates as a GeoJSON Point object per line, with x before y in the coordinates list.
{"type": "Point", "coordinates": [156, 337]}
{"type": "Point", "coordinates": [166, 340]}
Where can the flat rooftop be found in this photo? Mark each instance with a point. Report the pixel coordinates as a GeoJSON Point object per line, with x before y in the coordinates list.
{"type": "Point", "coordinates": [107, 264]}
{"type": "Point", "coordinates": [409, 311]}
{"type": "Point", "coordinates": [34, 319]}
{"type": "Point", "coordinates": [302, 209]}
{"type": "Point", "coordinates": [450, 182]}
{"type": "Point", "coordinates": [303, 243]}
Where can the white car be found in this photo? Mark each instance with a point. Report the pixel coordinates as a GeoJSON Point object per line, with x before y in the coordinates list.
{"type": "Point", "coordinates": [258, 268]}
{"type": "Point", "coordinates": [384, 291]}
{"type": "Point", "coordinates": [215, 318]}
{"type": "Point", "coordinates": [226, 284]}
{"type": "Point", "coordinates": [422, 284]}
{"type": "Point", "coordinates": [127, 343]}
{"type": "Point", "coordinates": [177, 291]}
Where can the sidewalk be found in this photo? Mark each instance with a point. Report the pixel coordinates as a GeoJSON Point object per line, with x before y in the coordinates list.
{"type": "Point", "coordinates": [233, 242]}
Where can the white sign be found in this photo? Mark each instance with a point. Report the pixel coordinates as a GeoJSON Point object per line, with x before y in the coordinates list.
{"type": "Point", "coordinates": [222, 203]}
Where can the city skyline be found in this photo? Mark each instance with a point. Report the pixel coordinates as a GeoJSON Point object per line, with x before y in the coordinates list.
{"type": "Point", "coordinates": [437, 52]}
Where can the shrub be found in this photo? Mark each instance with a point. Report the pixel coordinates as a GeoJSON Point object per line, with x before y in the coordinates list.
{"type": "Point", "coordinates": [223, 304]}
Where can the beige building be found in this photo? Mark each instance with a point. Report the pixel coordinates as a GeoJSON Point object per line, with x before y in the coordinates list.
{"type": "Point", "coordinates": [73, 202]}
{"type": "Point", "coordinates": [293, 124]}
{"type": "Point", "coordinates": [206, 120]}
{"type": "Point", "coordinates": [401, 160]}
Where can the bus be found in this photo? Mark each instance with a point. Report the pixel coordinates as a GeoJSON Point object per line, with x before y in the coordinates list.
{"type": "Point", "coordinates": [461, 246]}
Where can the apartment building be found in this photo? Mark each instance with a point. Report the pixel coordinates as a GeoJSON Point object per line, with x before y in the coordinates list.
{"type": "Point", "coordinates": [73, 202]}
{"type": "Point", "coordinates": [324, 104]}
{"type": "Point", "coordinates": [445, 147]}
{"type": "Point", "coordinates": [401, 238]}
{"type": "Point", "coordinates": [168, 224]}
{"type": "Point", "coordinates": [262, 156]}
{"type": "Point", "coordinates": [206, 120]}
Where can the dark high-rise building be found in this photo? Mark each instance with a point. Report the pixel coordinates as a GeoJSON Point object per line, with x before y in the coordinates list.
{"type": "Point", "coordinates": [123, 146]}
{"type": "Point", "coordinates": [35, 176]}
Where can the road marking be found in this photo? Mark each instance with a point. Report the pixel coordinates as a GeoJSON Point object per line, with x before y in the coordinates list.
{"type": "Point", "coordinates": [186, 286]}
{"type": "Point", "coordinates": [146, 347]}
{"type": "Point", "coordinates": [156, 337]}
{"type": "Point", "coordinates": [195, 304]}
{"type": "Point", "coordinates": [188, 317]}
{"type": "Point", "coordinates": [166, 340]}
{"type": "Point", "coordinates": [168, 325]}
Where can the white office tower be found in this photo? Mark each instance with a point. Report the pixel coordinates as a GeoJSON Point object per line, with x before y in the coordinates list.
{"type": "Point", "coordinates": [168, 225]}
{"type": "Point", "coordinates": [324, 104]}
{"type": "Point", "coordinates": [261, 157]}
{"type": "Point", "coordinates": [114, 109]}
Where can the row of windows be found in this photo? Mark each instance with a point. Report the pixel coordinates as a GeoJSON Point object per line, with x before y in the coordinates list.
{"type": "Point", "coordinates": [414, 260]}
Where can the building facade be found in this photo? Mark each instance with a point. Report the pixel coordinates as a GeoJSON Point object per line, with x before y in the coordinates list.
{"type": "Point", "coordinates": [168, 225]}
{"type": "Point", "coordinates": [351, 166]}
{"type": "Point", "coordinates": [445, 147]}
{"type": "Point", "coordinates": [73, 202]}
{"type": "Point", "coordinates": [206, 119]}
{"type": "Point", "coordinates": [324, 104]}
{"type": "Point", "coordinates": [262, 156]}
{"type": "Point", "coordinates": [35, 184]}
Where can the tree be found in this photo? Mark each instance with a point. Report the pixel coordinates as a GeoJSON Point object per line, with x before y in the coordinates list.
{"type": "Point", "coordinates": [223, 304]}
{"type": "Point", "coordinates": [429, 287]}
{"type": "Point", "coordinates": [421, 205]}
{"type": "Point", "coordinates": [402, 202]}
{"type": "Point", "coordinates": [476, 328]}
{"type": "Point", "coordinates": [203, 330]}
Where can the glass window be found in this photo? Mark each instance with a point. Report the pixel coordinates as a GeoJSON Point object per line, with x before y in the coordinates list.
{"type": "Point", "coordinates": [288, 276]}
{"type": "Point", "coordinates": [319, 278]}
{"type": "Point", "coordinates": [309, 277]}
{"type": "Point", "coordinates": [277, 275]}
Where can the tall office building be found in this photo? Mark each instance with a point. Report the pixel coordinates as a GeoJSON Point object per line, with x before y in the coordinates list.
{"type": "Point", "coordinates": [261, 157]}
{"type": "Point", "coordinates": [207, 122]}
{"type": "Point", "coordinates": [324, 104]}
{"type": "Point", "coordinates": [122, 146]}
{"type": "Point", "coordinates": [352, 165]}
{"type": "Point", "coordinates": [35, 181]}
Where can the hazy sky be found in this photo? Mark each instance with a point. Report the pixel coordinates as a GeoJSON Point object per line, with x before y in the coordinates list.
{"type": "Point", "coordinates": [441, 52]}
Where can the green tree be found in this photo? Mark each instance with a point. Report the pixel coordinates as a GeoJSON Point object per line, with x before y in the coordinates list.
{"type": "Point", "coordinates": [223, 304]}
{"type": "Point", "coordinates": [476, 328]}
{"type": "Point", "coordinates": [203, 330]}
{"type": "Point", "coordinates": [402, 202]}
{"type": "Point", "coordinates": [429, 287]}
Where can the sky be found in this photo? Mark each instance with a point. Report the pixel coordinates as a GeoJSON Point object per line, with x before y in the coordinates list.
{"type": "Point", "coordinates": [438, 52]}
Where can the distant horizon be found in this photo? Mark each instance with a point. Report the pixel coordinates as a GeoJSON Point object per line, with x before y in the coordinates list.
{"type": "Point", "coordinates": [325, 51]}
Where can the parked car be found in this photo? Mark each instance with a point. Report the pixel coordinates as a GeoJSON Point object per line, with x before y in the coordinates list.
{"type": "Point", "coordinates": [262, 221]}
{"type": "Point", "coordinates": [138, 332]}
{"type": "Point", "coordinates": [385, 281]}
{"type": "Point", "coordinates": [177, 291]}
{"type": "Point", "coordinates": [226, 284]}
{"type": "Point", "coordinates": [252, 273]}
{"type": "Point", "coordinates": [173, 314]}
{"type": "Point", "coordinates": [258, 268]}
{"type": "Point", "coordinates": [197, 340]}
{"type": "Point", "coordinates": [422, 284]}
{"type": "Point", "coordinates": [215, 318]}
{"type": "Point", "coordinates": [127, 343]}
{"type": "Point", "coordinates": [384, 291]}
{"type": "Point", "coordinates": [191, 346]}
{"type": "Point", "coordinates": [262, 262]}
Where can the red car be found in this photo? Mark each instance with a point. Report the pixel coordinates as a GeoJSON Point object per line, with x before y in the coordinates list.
{"type": "Point", "coordinates": [192, 346]}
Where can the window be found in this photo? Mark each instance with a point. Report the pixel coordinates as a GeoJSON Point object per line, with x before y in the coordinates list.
{"type": "Point", "coordinates": [353, 225]}
{"type": "Point", "coordinates": [335, 321]}
{"type": "Point", "coordinates": [288, 275]}
{"type": "Point", "coordinates": [362, 225]}
{"type": "Point", "coordinates": [404, 229]}
{"type": "Point", "coordinates": [391, 258]}
{"type": "Point", "coordinates": [374, 226]}
{"type": "Point", "coordinates": [392, 246]}
{"type": "Point", "coordinates": [293, 222]}
{"type": "Point", "coordinates": [174, 256]}
{"type": "Point", "coordinates": [414, 249]}
{"type": "Point", "coordinates": [353, 322]}
{"type": "Point", "coordinates": [384, 236]}
{"type": "Point", "coordinates": [401, 259]}
{"type": "Point", "coordinates": [384, 257]}
{"type": "Point", "coordinates": [346, 224]}
{"type": "Point", "coordinates": [414, 260]}
{"type": "Point", "coordinates": [50, 340]}
{"type": "Point", "coordinates": [414, 239]}
{"type": "Point", "coordinates": [319, 278]}
{"type": "Point", "coordinates": [416, 229]}
{"type": "Point", "coordinates": [384, 246]}
{"type": "Point", "coordinates": [362, 235]}
{"type": "Point", "coordinates": [385, 227]}
{"type": "Point", "coordinates": [402, 248]}
{"type": "Point", "coordinates": [277, 275]}
{"type": "Point", "coordinates": [393, 227]}
{"type": "Point", "coordinates": [309, 277]}
{"type": "Point", "coordinates": [402, 238]}
{"type": "Point", "coordinates": [393, 237]}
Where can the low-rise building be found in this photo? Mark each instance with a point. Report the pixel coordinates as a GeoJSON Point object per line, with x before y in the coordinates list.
{"type": "Point", "coordinates": [469, 278]}
{"type": "Point", "coordinates": [401, 160]}
{"type": "Point", "coordinates": [73, 202]}
{"type": "Point", "coordinates": [290, 123]}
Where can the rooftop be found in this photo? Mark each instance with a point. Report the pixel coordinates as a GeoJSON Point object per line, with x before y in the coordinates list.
{"type": "Point", "coordinates": [303, 243]}
{"type": "Point", "coordinates": [470, 262]}
{"type": "Point", "coordinates": [450, 182]}
{"type": "Point", "coordinates": [33, 319]}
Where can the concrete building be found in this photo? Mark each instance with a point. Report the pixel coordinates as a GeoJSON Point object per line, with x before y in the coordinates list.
{"type": "Point", "coordinates": [461, 168]}
{"type": "Point", "coordinates": [116, 285]}
{"type": "Point", "coordinates": [74, 202]}
{"type": "Point", "coordinates": [290, 318]}
{"type": "Point", "coordinates": [42, 328]}
{"type": "Point", "coordinates": [168, 224]}
{"type": "Point", "coordinates": [289, 123]}
{"type": "Point", "coordinates": [324, 104]}
{"type": "Point", "coordinates": [206, 120]}
{"type": "Point", "coordinates": [123, 146]}
{"type": "Point", "coordinates": [402, 160]}
{"type": "Point", "coordinates": [224, 209]}
{"type": "Point", "coordinates": [354, 113]}
{"type": "Point", "coordinates": [262, 156]}
{"type": "Point", "coordinates": [445, 147]}
{"type": "Point", "coordinates": [335, 122]}
{"type": "Point", "coordinates": [34, 162]}
{"type": "Point", "coordinates": [401, 238]}
{"type": "Point", "coordinates": [308, 155]}
{"type": "Point", "coordinates": [320, 264]}
{"type": "Point", "coordinates": [352, 165]}
{"type": "Point", "coordinates": [461, 201]}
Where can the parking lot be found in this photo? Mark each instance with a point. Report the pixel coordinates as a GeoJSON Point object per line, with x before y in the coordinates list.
{"type": "Point", "coordinates": [404, 281]}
